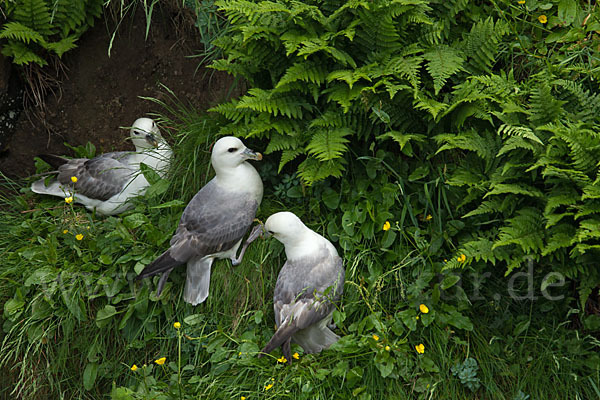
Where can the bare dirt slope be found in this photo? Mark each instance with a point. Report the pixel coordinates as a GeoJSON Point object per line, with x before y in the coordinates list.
{"type": "Point", "coordinates": [101, 93]}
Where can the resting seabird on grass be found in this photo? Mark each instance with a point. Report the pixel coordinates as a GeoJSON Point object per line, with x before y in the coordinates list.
{"type": "Point", "coordinates": [309, 284]}
{"type": "Point", "coordinates": [107, 182]}
{"type": "Point", "coordinates": [215, 220]}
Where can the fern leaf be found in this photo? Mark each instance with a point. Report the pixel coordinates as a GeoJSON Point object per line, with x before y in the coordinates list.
{"type": "Point", "coordinates": [524, 230]}
{"type": "Point", "coordinates": [287, 156]}
{"type": "Point", "coordinates": [515, 188]}
{"type": "Point", "coordinates": [482, 145]}
{"type": "Point", "coordinates": [482, 44]}
{"type": "Point", "coordinates": [312, 170]}
{"type": "Point", "coordinates": [22, 54]}
{"type": "Point", "coordinates": [35, 15]}
{"type": "Point", "coordinates": [62, 46]}
{"type": "Point", "coordinates": [329, 144]}
{"type": "Point", "coordinates": [402, 138]}
{"type": "Point", "coordinates": [443, 62]}
{"type": "Point", "coordinates": [20, 32]}
{"type": "Point", "coordinates": [305, 72]}
{"type": "Point", "coordinates": [273, 103]}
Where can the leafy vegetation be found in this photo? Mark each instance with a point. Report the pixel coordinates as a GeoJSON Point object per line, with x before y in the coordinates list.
{"type": "Point", "coordinates": [449, 149]}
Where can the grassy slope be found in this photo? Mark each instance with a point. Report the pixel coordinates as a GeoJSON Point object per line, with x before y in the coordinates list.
{"type": "Point", "coordinates": [54, 345]}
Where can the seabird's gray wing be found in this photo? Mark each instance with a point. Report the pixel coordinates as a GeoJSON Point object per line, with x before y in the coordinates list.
{"type": "Point", "coordinates": [98, 178]}
{"type": "Point", "coordinates": [213, 222]}
{"type": "Point", "coordinates": [305, 293]}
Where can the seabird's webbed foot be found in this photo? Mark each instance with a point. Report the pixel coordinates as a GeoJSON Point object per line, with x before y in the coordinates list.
{"type": "Point", "coordinates": [254, 234]}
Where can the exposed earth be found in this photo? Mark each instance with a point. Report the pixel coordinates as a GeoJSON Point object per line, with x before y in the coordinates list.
{"type": "Point", "coordinates": [101, 93]}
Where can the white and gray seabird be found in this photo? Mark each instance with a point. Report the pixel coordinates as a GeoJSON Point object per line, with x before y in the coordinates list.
{"type": "Point", "coordinates": [308, 287]}
{"type": "Point", "coordinates": [215, 220]}
{"type": "Point", "coordinates": [106, 183]}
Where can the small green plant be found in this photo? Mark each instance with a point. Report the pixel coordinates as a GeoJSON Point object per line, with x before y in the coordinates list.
{"type": "Point", "coordinates": [38, 29]}
{"type": "Point", "coordinates": [467, 373]}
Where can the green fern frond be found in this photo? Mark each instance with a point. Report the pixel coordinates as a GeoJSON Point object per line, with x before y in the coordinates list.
{"type": "Point", "coordinates": [484, 146]}
{"type": "Point", "coordinates": [62, 46]}
{"type": "Point", "coordinates": [544, 108]}
{"type": "Point", "coordinates": [402, 138]}
{"type": "Point", "coordinates": [443, 62]}
{"type": "Point", "coordinates": [482, 43]}
{"type": "Point", "coordinates": [525, 230]}
{"type": "Point", "coordinates": [329, 144]}
{"type": "Point", "coordinates": [561, 195]}
{"type": "Point", "coordinates": [34, 14]}
{"type": "Point", "coordinates": [305, 71]}
{"type": "Point", "coordinates": [22, 54]}
{"type": "Point", "coordinates": [279, 142]}
{"type": "Point", "coordinates": [287, 156]}
{"type": "Point", "coordinates": [274, 103]}
{"type": "Point", "coordinates": [20, 32]}
{"type": "Point", "coordinates": [312, 170]}
{"type": "Point", "coordinates": [514, 188]}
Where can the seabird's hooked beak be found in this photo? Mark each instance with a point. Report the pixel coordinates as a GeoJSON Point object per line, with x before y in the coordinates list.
{"type": "Point", "coordinates": [150, 138]}
{"type": "Point", "coordinates": [251, 155]}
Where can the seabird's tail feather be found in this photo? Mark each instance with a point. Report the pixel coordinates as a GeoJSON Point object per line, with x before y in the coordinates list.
{"type": "Point", "coordinates": [316, 338]}
{"type": "Point", "coordinates": [54, 188]}
{"type": "Point", "coordinates": [197, 280]}
{"type": "Point", "coordinates": [163, 263]}
{"type": "Point", "coordinates": [283, 334]}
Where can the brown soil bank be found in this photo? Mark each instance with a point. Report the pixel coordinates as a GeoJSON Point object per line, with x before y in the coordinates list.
{"type": "Point", "coordinates": [101, 93]}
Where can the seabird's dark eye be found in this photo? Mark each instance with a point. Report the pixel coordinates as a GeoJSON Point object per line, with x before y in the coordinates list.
{"type": "Point", "coordinates": [231, 149]}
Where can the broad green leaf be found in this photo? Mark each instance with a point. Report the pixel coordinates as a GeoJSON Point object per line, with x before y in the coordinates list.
{"type": "Point", "coordinates": [104, 315]}
{"type": "Point", "coordinates": [89, 375]}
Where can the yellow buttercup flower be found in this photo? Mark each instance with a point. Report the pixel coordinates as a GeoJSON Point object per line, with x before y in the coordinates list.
{"type": "Point", "coordinates": [296, 356]}
{"type": "Point", "coordinates": [423, 308]}
{"type": "Point", "coordinates": [420, 348]}
{"type": "Point", "coordinates": [242, 398]}
{"type": "Point", "coordinates": [269, 386]}
{"type": "Point", "coordinates": [69, 199]}
{"type": "Point", "coordinates": [240, 354]}
{"type": "Point", "coordinates": [134, 367]}
{"type": "Point", "coordinates": [66, 231]}
{"type": "Point", "coordinates": [375, 337]}
{"type": "Point", "coordinates": [387, 348]}
{"type": "Point", "coordinates": [428, 217]}
{"type": "Point", "coordinates": [461, 258]}
{"type": "Point", "coordinates": [79, 236]}
{"type": "Point", "coordinates": [417, 317]}
{"type": "Point", "coordinates": [161, 360]}
{"type": "Point", "coordinates": [543, 19]}
{"type": "Point", "coordinates": [387, 226]}
{"type": "Point", "coordinates": [282, 359]}
{"type": "Point", "coordinates": [74, 179]}
{"type": "Point", "coordinates": [521, 1]}
{"type": "Point", "coordinates": [177, 325]}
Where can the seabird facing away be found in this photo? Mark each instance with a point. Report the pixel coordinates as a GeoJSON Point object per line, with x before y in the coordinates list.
{"type": "Point", "coordinates": [107, 182]}
{"type": "Point", "coordinates": [215, 220]}
{"type": "Point", "coordinates": [302, 302]}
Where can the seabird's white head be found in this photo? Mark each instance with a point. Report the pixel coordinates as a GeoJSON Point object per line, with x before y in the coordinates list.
{"type": "Point", "coordinates": [285, 227]}
{"type": "Point", "coordinates": [229, 152]}
{"type": "Point", "coordinates": [144, 134]}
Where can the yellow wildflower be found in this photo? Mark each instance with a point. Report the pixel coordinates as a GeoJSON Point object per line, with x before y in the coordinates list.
{"type": "Point", "coordinates": [521, 1]}
{"type": "Point", "coordinates": [375, 337]}
{"type": "Point", "coordinates": [420, 348]}
{"type": "Point", "coordinates": [428, 217]}
{"type": "Point", "coordinates": [79, 236]}
{"type": "Point", "coordinates": [240, 354]}
{"type": "Point", "coordinates": [269, 386]}
{"type": "Point", "coordinates": [445, 260]}
{"type": "Point", "coordinates": [134, 367]}
{"type": "Point", "coordinates": [296, 356]}
{"type": "Point", "coordinates": [543, 19]}
{"type": "Point", "coordinates": [74, 179]}
{"type": "Point", "coordinates": [461, 258]}
{"type": "Point", "coordinates": [69, 199]}
{"type": "Point", "coordinates": [282, 359]}
{"type": "Point", "coordinates": [387, 348]}
{"type": "Point", "coordinates": [417, 317]}
{"type": "Point", "coordinates": [161, 360]}
{"type": "Point", "coordinates": [242, 398]}
{"type": "Point", "coordinates": [177, 325]}
{"type": "Point", "coordinates": [387, 226]}
{"type": "Point", "coordinates": [423, 308]}
{"type": "Point", "coordinates": [66, 231]}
